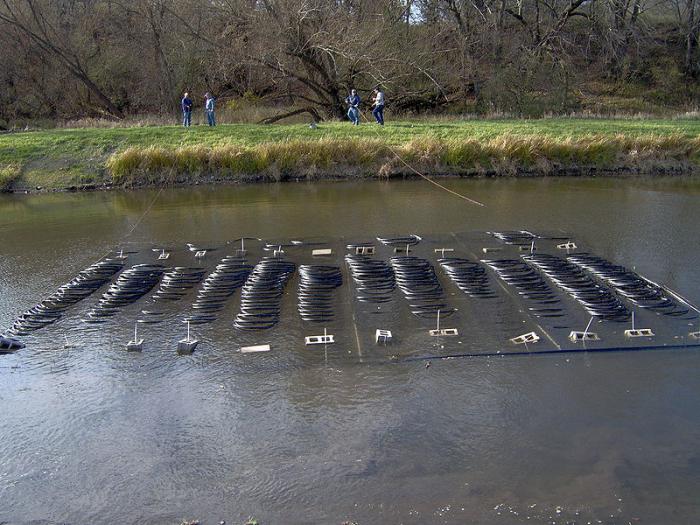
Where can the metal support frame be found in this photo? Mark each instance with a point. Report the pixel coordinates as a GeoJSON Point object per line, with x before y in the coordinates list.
{"type": "Point", "coordinates": [442, 331]}
{"type": "Point", "coordinates": [382, 336]}
{"type": "Point", "coordinates": [530, 337]}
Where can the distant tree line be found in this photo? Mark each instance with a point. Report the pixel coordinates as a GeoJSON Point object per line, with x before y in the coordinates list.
{"type": "Point", "coordinates": [70, 58]}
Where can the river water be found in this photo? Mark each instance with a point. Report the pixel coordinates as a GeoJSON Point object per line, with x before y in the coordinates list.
{"type": "Point", "coordinates": [93, 434]}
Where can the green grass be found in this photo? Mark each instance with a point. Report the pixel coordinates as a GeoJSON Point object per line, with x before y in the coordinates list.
{"type": "Point", "coordinates": [66, 157]}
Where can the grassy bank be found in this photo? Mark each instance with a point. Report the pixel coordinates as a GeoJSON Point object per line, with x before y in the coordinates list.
{"type": "Point", "coordinates": [148, 155]}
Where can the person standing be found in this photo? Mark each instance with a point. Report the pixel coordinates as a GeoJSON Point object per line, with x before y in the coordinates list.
{"type": "Point", "coordinates": [353, 102]}
{"type": "Point", "coordinates": [378, 105]}
{"type": "Point", "coordinates": [209, 109]}
{"type": "Point", "coordinates": [186, 105]}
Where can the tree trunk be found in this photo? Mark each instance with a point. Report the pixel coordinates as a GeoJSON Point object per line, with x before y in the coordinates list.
{"type": "Point", "coordinates": [311, 111]}
{"type": "Point", "coordinates": [691, 41]}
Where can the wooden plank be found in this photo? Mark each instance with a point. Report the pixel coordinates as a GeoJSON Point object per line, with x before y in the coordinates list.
{"type": "Point", "coordinates": [254, 349]}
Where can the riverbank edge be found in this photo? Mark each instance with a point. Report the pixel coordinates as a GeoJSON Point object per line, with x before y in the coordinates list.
{"type": "Point", "coordinates": [623, 172]}
{"type": "Point", "coordinates": [359, 159]}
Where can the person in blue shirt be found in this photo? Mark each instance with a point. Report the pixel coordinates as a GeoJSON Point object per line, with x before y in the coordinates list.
{"type": "Point", "coordinates": [209, 109]}
{"type": "Point", "coordinates": [353, 102]}
{"type": "Point", "coordinates": [378, 105]}
{"type": "Point", "coordinates": [186, 105]}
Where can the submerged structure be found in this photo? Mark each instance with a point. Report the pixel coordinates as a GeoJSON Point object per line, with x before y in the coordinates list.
{"type": "Point", "coordinates": [460, 294]}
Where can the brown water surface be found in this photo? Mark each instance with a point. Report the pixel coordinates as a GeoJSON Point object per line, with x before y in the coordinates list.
{"type": "Point", "coordinates": [93, 435]}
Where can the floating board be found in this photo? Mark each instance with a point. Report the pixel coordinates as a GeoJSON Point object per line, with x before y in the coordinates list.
{"type": "Point", "coordinates": [444, 331]}
{"type": "Point", "coordinates": [639, 332]}
{"type": "Point", "coordinates": [255, 349]}
{"type": "Point", "coordinates": [319, 339]}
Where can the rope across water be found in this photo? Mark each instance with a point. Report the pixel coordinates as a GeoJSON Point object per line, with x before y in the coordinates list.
{"type": "Point", "coordinates": [422, 175]}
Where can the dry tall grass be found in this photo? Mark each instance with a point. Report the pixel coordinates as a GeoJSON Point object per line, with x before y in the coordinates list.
{"type": "Point", "coordinates": [503, 155]}
{"type": "Point", "coordinates": [271, 161]}
{"type": "Point", "coordinates": [8, 176]}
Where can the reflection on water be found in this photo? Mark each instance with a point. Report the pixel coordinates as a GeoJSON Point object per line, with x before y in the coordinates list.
{"type": "Point", "coordinates": [92, 434]}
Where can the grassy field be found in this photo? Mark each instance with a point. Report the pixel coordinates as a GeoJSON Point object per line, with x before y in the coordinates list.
{"type": "Point", "coordinates": [73, 157]}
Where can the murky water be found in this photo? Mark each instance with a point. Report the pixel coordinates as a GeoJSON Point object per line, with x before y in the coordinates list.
{"type": "Point", "coordinates": [93, 434]}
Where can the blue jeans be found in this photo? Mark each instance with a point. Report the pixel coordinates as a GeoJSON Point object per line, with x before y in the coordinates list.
{"type": "Point", "coordinates": [378, 113]}
{"type": "Point", "coordinates": [354, 115]}
{"type": "Point", "coordinates": [186, 118]}
{"type": "Point", "coordinates": [210, 118]}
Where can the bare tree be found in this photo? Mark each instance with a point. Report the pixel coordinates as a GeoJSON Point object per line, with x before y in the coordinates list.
{"type": "Point", "coordinates": [54, 28]}
{"type": "Point", "coordinates": [525, 56]}
{"type": "Point", "coordinates": [689, 27]}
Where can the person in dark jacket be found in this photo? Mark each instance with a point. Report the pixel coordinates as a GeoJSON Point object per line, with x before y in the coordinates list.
{"type": "Point", "coordinates": [353, 102]}
{"type": "Point", "coordinates": [186, 105]}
